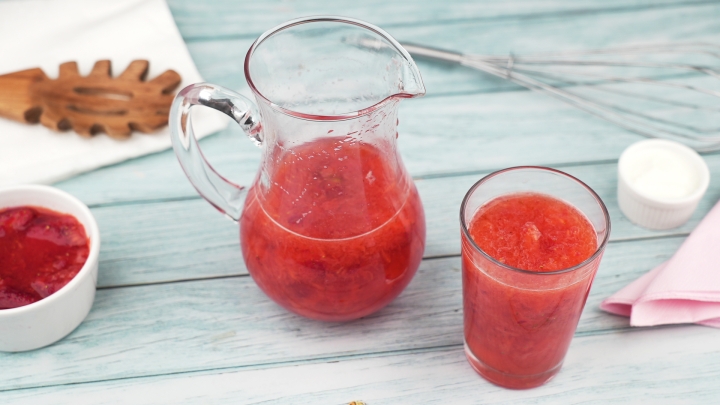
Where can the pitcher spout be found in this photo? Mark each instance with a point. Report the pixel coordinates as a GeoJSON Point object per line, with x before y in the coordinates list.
{"type": "Point", "coordinates": [411, 83]}
{"type": "Point", "coordinates": [335, 68]}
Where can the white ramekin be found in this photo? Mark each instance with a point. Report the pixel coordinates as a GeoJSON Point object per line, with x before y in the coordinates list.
{"type": "Point", "coordinates": [46, 321]}
{"type": "Point", "coordinates": [651, 212]}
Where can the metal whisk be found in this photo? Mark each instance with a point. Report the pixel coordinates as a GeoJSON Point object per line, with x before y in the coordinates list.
{"type": "Point", "coordinates": [669, 90]}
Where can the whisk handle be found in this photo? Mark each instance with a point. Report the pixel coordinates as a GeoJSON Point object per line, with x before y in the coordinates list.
{"type": "Point", "coordinates": [433, 53]}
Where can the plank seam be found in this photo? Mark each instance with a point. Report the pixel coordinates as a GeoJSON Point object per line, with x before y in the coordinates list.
{"type": "Point", "coordinates": [507, 17]}
{"type": "Point", "coordinates": [258, 366]}
{"type": "Point", "coordinates": [182, 280]}
{"type": "Point", "coordinates": [612, 241]}
{"type": "Point", "coordinates": [433, 257]}
{"type": "Point", "coordinates": [325, 359]}
{"type": "Point", "coordinates": [426, 176]}
{"type": "Point", "coordinates": [442, 175]}
{"type": "Point", "coordinates": [514, 88]}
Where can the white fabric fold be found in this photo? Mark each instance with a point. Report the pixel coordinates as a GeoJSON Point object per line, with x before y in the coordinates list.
{"type": "Point", "coordinates": [46, 33]}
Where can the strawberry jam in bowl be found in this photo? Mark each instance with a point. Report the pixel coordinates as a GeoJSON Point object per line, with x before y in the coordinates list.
{"type": "Point", "coordinates": [532, 240]}
{"type": "Point", "coordinates": [49, 245]}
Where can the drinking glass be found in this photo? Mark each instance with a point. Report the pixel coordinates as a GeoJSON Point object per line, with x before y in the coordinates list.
{"type": "Point", "coordinates": [518, 323]}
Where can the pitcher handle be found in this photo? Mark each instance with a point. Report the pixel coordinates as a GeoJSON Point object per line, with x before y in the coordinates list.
{"type": "Point", "coordinates": [221, 193]}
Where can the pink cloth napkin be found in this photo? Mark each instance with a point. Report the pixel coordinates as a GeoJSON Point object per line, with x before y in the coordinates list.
{"type": "Point", "coordinates": [684, 289]}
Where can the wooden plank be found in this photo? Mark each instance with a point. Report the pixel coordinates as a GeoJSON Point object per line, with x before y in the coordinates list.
{"type": "Point", "coordinates": [211, 324]}
{"type": "Point", "coordinates": [160, 177]}
{"type": "Point", "coordinates": [166, 241]}
{"type": "Point", "coordinates": [668, 365]}
{"type": "Point", "coordinates": [442, 198]}
{"type": "Point", "coordinates": [249, 19]}
{"type": "Point", "coordinates": [188, 239]}
{"type": "Point", "coordinates": [464, 132]}
{"type": "Point", "coordinates": [220, 60]}
{"type": "Point", "coordinates": [474, 142]}
{"type": "Point", "coordinates": [221, 326]}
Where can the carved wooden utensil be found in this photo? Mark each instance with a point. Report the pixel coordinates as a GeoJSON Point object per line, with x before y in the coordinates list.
{"type": "Point", "coordinates": [90, 104]}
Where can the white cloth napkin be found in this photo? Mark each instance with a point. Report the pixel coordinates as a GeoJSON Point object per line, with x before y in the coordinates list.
{"type": "Point", "coordinates": [46, 33]}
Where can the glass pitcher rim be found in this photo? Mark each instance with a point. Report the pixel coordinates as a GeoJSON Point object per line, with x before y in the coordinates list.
{"type": "Point", "coordinates": [327, 18]}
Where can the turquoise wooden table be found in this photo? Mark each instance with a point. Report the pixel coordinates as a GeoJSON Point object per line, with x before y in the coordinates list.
{"type": "Point", "coordinates": [177, 319]}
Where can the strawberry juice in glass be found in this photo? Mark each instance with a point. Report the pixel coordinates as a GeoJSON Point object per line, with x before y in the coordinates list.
{"type": "Point", "coordinates": [532, 240]}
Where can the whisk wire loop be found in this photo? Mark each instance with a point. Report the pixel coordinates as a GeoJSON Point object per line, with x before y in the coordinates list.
{"type": "Point", "coordinates": [664, 94]}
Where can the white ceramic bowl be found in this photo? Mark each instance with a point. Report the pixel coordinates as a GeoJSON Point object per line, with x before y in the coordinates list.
{"type": "Point", "coordinates": [46, 321]}
{"type": "Point", "coordinates": [653, 212]}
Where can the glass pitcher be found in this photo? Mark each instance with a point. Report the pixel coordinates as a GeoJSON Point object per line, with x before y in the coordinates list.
{"type": "Point", "coordinates": [332, 227]}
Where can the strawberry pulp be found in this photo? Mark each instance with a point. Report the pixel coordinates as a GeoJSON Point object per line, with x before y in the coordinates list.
{"type": "Point", "coordinates": [518, 325]}
{"type": "Point", "coordinates": [338, 232]}
{"type": "Point", "coordinates": [40, 252]}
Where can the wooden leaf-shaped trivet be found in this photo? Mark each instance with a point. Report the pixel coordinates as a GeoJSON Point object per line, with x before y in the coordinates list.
{"type": "Point", "coordinates": [90, 104]}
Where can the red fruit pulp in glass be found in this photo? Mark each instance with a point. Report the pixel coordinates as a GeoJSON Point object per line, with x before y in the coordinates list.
{"type": "Point", "coordinates": [518, 326]}
{"type": "Point", "coordinates": [40, 251]}
{"type": "Point", "coordinates": [339, 232]}
{"type": "Point", "coordinates": [533, 232]}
